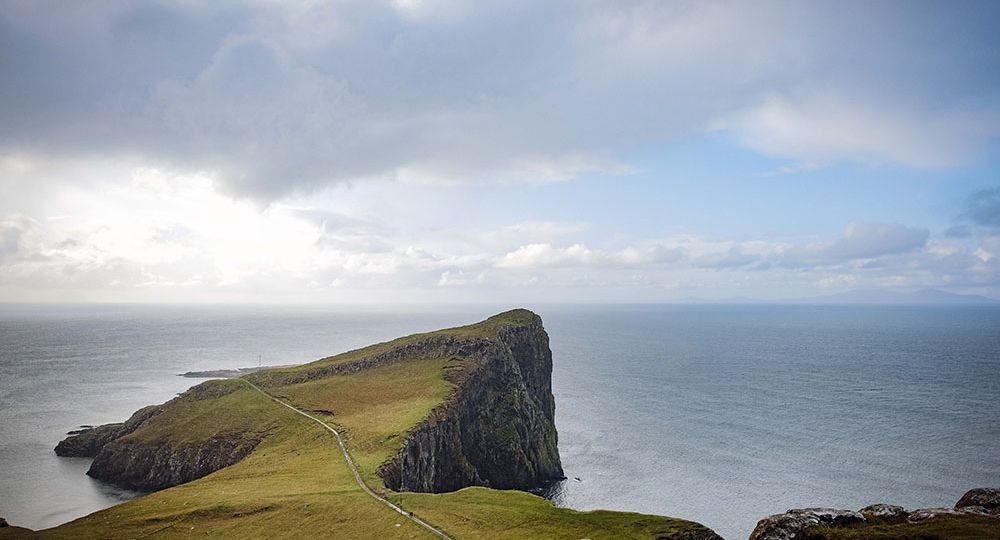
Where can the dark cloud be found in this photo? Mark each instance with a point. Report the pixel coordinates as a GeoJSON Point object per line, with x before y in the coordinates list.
{"type": "Point", "coordinates": [275, 98]}
{"type": "Point", "coordinates": [869, 240]}
{"type": "Point", "coordinates": [958, 231]}
{"type": "Point", "coordinates": [983, 207]}
{"type": "Point", "coordinates": [15, 232]}
{"type": "Point", "coordinates": [9, 240]}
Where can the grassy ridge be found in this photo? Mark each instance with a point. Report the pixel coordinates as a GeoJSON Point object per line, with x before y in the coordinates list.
{"type": "Point", "coordinates": [374, 409]}
{"type": "Point", "coordinates": [484, 329]}
{"type": "Point", "coordinates": [211, 409]}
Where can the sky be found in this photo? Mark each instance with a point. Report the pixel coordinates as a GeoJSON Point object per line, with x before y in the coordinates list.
{"type": "Point", "coordinates": [442, 151]}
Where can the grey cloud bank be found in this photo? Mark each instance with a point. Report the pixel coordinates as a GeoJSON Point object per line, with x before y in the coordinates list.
{"type": "Point", "coordinates": [276, 98]}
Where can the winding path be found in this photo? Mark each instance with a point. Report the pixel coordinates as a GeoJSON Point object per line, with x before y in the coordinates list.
{"type": "Point", "coordinates": [354, 470]}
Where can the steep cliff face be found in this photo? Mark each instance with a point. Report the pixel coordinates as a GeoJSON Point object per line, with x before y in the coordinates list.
{"type": "Point", "coordinates": [142, 466]}
{"type": "Point", "coordinates": [163, 445]}
{"type": "Point", "coordinates": [497, 429]}
{"type": "Point", "coordinates": [89, 442]}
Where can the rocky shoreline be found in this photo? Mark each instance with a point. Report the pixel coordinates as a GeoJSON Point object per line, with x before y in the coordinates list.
{"type": "Point", "coordinates": [803, 523]}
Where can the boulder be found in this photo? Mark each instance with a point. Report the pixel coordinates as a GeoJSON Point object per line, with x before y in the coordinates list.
{"type": "Point", "coordinates": [886, 513]}
{"type": "Point", "coordinates": [791, 524]}
{"type": "Point", "coordinates": [922, 514]}
{"type": "Point", "coordinates": [986, 498]}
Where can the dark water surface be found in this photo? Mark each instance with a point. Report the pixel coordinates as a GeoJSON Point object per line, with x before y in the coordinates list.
{"type": "Point", "coordinates": [720, 414]}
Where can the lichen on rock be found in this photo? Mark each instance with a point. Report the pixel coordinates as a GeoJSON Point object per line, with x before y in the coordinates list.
{"type": "Point", "coordinates": [980, 500]}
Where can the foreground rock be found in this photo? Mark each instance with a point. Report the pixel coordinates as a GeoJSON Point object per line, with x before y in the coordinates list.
{"type": "Point", "coordinates": [980, 500]}
{"type": "Point", "coordinates": [791, 524]}
{"type": "Point", "coordinates": [885, 513]}
{"type": "Point", "coordinates": [975, 516]}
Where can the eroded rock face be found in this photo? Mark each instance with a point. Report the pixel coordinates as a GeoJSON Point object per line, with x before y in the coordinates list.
{"type": "Point", "coordinates": [89, 442]}
{"type": "Point", "coordinates": [497, 430]}
{"type": "Point", "coordinates": [143, 466]}
{"type": "Point", "coordinates": [979, 500]}
{"type": "Point", "coordinates": [791, 524]}
{"type": "Point", "coordinates": [134, 463]}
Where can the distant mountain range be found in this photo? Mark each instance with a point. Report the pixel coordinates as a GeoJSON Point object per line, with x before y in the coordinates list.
{"type": "Point", "coordinates": [862, 296]}
{"type": "Point", "coordinates": [881, 296]}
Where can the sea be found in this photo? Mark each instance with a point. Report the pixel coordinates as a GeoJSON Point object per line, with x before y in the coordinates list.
{"type": "Point", "coordinates": [721, 414]}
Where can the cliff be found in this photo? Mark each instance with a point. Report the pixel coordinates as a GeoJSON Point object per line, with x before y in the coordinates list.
{"type": "Point", "coordinates": [89, 442]}
{"type": "Point", "coordinates": [146, 453]}
{"type": "Point", "coordinates": [497, 429]}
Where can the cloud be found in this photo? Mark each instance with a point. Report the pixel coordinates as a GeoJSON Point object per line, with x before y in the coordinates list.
{"type": "Point", "coordinates": [863, 241]}
{"type": "Point", "coordinates": [274, 99]}
{"type": "Point", "coordinates": [819, 129]}
{"type": "Point", "coordinates": [12, 229]}
{"type": "Point", "coordinates": [982, 207]}
{"type": "Point", "coordinates": [181, 240]}
{"type": "Point", "coordinates": [860, 242]}
{"type": "Point", "coordinates": [578, 255]}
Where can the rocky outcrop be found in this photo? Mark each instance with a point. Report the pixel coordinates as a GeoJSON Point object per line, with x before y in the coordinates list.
{"type": "Point", "coordinates": [980, 501]}
{"type": "Point", "coordinates": [885, 513]}
{"type": "Point", "coordinates": [152, 463]}
{"type": "Point", "coordinates": [142, 466]}
{"type": "Point", "coordinates": [88, 442]}
{"type": "Point", "coordinates": [791, 524]}
{"type": "Point", "coordinates": [796, 524]}
{"type": "Point", "coordinates": [701, 533]}
{"type": "Point", "coordinates": [497, 429]}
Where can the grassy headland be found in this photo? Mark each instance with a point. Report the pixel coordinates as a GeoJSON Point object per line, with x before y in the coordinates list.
{"type": "Point", "coordinates": [295, 483]}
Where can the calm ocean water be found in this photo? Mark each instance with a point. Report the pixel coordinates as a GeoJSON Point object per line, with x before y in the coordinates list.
{"type": "Point", "coordinates": [720, 414]}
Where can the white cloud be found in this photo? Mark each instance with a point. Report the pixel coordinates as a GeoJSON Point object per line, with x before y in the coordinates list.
{"type": "Point", "coordinates": [820, 129]}
{"type": "Point", "coordinates": [545, 255]}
